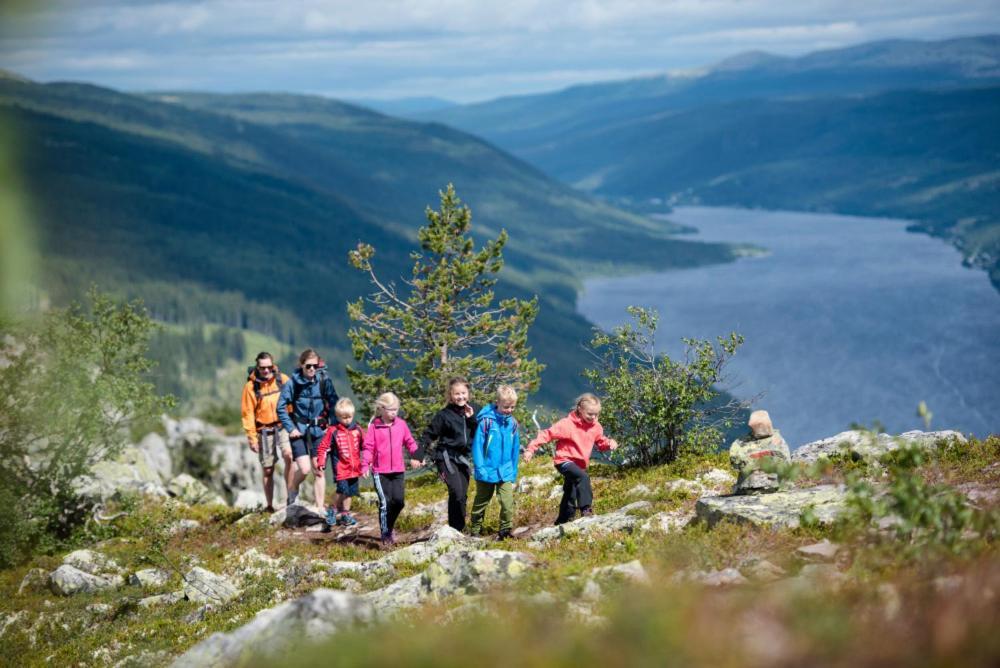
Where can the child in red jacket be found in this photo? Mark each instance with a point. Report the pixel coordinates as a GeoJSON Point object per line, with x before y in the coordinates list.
{"type": "Point", "coordinates": [575, 436]}
{"type": "Point", "coordinates": [346, 438]}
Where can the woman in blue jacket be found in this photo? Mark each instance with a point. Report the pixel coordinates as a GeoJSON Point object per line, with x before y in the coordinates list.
{"type": "Point", "coordinates": [312, 398]}
{"type": "Point", "coordinates": [495, 453]}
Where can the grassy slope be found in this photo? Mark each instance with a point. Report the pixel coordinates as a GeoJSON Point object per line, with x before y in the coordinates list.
{"type": "Point", "coordinates": [140, 193]}
{"type": "Point", "coordinates": [888, 609]}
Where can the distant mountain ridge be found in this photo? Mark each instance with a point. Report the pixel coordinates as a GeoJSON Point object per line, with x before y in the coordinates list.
{"type": "Point", "coordinates": [894, 128]}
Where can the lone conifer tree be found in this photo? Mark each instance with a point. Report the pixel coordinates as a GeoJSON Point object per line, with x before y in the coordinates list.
{"type": "Point", "coordinates": [446, 323]}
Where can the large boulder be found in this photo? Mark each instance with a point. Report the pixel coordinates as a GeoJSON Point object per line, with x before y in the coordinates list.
{"type": "Point", "coordinates": [865, 445]}
{"type": "Point", "coordinates": [592, 525]}
{"type": "Point", "coordinates": [442, 540]}
{"type": "Point", "coordinates": [204, 586]}
{"type": "Point", "coordinates": [249, 499]}
{"type": "Point", "coordinates": [781, 509]}
{"type": "Point", "coordinates": [296, 516]}
{"type": "Point", "coordinates": [154, 448]}
{"type": "Point", "coordinates": [68, 580]}
{"type": "Point", "coordinates": [235, 467]}
{"type": "Point", "coordinates": [129, 473]}
{"type": "Point", "coordinates": [191, 491]}
{"type": "Point", "coordinates": [314, 617]}
{"type": "Point", "coordinates": [92, 562]}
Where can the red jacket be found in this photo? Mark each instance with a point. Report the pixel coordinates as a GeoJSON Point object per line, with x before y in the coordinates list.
{"type": "Point", "coordinates": [575, 440]}
{"type": "Point", "coordinates": [348, 440]}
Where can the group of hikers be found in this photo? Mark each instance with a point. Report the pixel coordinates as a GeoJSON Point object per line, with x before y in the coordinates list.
{"type": "Point", "coordinates": [301, 420]}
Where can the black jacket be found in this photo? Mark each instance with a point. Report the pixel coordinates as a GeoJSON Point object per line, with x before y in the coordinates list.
{"type": "Point", "coordinates": [452, 431]}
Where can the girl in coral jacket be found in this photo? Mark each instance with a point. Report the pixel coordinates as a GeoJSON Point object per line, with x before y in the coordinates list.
{"type": "Point", "coordinates": [382, 457]}
{"type": "Point", "coordinates": [575, 436]}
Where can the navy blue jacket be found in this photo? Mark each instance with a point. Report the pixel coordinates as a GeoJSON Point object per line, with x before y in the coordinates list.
{"type": "Point", "coordinates": [309, 399]}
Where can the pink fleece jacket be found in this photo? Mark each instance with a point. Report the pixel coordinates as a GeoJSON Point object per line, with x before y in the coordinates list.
{"type": "Point", "coordinates": [383, 446]}
{"type": "Point", "coordinates": [575, 440]}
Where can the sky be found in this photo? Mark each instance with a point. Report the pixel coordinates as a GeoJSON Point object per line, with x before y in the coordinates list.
{"type": "Point", "coordinates": [458, 50]}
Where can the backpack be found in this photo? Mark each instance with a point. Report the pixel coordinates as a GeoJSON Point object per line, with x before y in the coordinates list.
{"type": "Point", "coordinates": [252, 375]}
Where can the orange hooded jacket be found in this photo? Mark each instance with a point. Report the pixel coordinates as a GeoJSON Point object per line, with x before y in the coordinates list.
{"type": "Point", "coordinates": [263, 412]}
{"type": "Point", "coordinates": [575, 440]}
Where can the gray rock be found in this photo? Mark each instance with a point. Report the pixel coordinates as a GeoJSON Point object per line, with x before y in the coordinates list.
{"type": "Point", "coordinates": [667, 522]}
{"type": "Point", "coordinates": [92, 562]}
{"type": "Point", "coordinates": [161, 599]}
{"type": "Point", "coordinates": [150, 577]}
{"type": "Point", "coordinates": [533, 484]}
{"type": "Point", "coordinates": [129, 473]}
{"type": "Point", "coordinates": [365, 569]}
{"type": "Point", "coordinates": [99, 609]}
{"type": "Point", "coordinates": [781, 509]}
{"type": "Point", "coordinates": [716, 479]}
{"type": "Point", "coordinates": [721, 578]}
{"type": "Point", "coordinates": [631, 571]}
{"type": "Point", "coordinates": [862, 445]}
{"type": "Point", "coordinates": [438, 511]}
{"type": "Point", "coordinates": [635, 505]}
{"type": "Point", "coordinates": [68, 580]}
{"type": "Point", "coordinates": [204, 586]}
{"type": "Point", "coordinates": [583, 613]}
{"type": "Point", "coordinates": [369, 498]}
{"type": "Point", "coordinates": [762, 570]}
{"type": "Point", "coordinates": [193, 492]}
{"type": "Point", "coordinates": [758, 482]}
{"type": "Point", "coordinates": [183, 526]}
{"type": "Point", "coordinates": [640, 490]}
{"type": "Point", "coordinates": [34, 579]}
{"type": "Point", "coordinates": [821, 551]}
{"type": "Point", "coordinates": [235, 467]}
{"type": "Point", "coordinates": [154, 448]}
{"type": "Point", "coordinates": [200, 614]}
{"type": "Point", "coordinates": [317, 616]}
{"type": "Point", "coordinates": [978, 494]}
{"type": "Point", "coordinates": [691, 487]}
{"type": "Point", "coordinates": [443, 539]}
{"type": "Point", "coordinates": [254, 564]}
{"type": "Point", "coordinates": [296, 516]}
{"type": "Point", "coordinates": [249, 499]}
{"type": "Point", "coordinates": [594, 525]}
{"type": "Point", "coordinates": [400, 595]}
{"type": "Point", "coordinates": [591, 591]}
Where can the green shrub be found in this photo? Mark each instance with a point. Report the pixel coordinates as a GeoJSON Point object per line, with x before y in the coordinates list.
{"type": "Point", "coordinates": [658, 408]}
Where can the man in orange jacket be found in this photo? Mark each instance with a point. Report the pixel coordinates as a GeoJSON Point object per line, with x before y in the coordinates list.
{"type": "Point", "coordinates": [259, 408]}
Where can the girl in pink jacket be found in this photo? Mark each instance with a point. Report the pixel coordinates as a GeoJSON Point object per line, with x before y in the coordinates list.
{"type": "Point", "coordinates": [575, 436]}
{"type": "Point", "coordinates": [382, 457]}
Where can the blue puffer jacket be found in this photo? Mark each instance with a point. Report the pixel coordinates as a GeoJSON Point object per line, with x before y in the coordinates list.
{"type": "Point", "coordinates": [310, 399]}
{"type": "Point", "coordinates": [496, 447]}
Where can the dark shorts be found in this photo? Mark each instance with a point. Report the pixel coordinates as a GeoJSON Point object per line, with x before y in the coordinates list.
{"type": "Point", "coordinates": [299, 448]}
{"type": "Point", "coordinates": [348, 487]}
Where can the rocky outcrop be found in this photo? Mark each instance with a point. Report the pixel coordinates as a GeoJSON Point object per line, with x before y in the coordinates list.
{"type": "Point", "coordinates": [316, 616]}
{"type": "Point", "coordinates": [249, 499]}
{"type": "Point", "coordinates": [68, 580]}
{"type": "Point", "coordinates": [865, 445]}
{"type": "Point", "coordinates": [442, 540]}
{"type": "Point", "coordinates": [593, 525]}
{"type": "Point", "coordinates": [128, 473]}
{"type": "Point", "coordinates": [781, 509]}
{"type": "Point", "coordinates": [667, 522]}
{"type": "Point", "coordinates": [193, 492]}
{"type": "Point", "coordinates": [204, 586]}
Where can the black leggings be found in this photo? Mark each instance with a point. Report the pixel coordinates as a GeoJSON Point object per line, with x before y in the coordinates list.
{"type": "Point", "coordinates": [576, 491]}
{"type": "Point", "coordinates": [457, 481]}
{"type": "Point", "coordinates": [389, 487]}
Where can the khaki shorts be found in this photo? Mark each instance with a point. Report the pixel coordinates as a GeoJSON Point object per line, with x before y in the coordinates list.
{"type": "Point", "coordinates": [268, 452]}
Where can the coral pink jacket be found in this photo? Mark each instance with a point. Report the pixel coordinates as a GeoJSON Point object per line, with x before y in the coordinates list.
{"type": "Point", "coordinates": [575, 440]}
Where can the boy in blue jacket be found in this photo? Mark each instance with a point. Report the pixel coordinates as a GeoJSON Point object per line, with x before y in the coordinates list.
{"type": "Point", "coordinates": [495, 453]}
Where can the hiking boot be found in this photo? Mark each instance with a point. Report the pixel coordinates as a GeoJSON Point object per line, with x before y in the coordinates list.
{"type": "Point", "coordinates": [326, 528]}
{"type": "Point", "coordinates": [347, 520]}
{"type": "Point", "coordinates": [503, 535]}
{"type": "Point", "coordinates": [387, 541]}
{"type": "Point", "coordinates": [586, 512]}
{"type": "Point", "coordinates": [269, 509]}
{"type": "Point", "coordinates": [331, 517]}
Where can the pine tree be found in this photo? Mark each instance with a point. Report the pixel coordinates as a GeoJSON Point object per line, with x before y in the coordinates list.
{"type": "Point", "coordinates": [446, 324]}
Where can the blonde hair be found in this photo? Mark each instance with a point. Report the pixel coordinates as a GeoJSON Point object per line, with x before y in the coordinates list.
{"type": "Point", "coordinates": [760, 424]}
{"type": "Point", "coordinates": [586, 398]}
{"type": "Point", "coordinates": [506, 392]}
{"type": "Point", "coordinates": [343, 407]}
{"type": "Point", "coordinates": [385, 400]}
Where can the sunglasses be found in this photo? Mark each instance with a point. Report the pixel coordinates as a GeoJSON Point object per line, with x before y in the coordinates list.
{"type": "Point", "coordinates": [265, 369]}
{"type": "Point", "coordinates": [310, 366]}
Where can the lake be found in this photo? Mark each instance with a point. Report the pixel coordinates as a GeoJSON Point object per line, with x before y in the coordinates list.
{"type": "Point", "coordinates": [846, 319]}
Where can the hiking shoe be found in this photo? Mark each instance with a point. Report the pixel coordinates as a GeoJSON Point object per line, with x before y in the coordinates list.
{"type": "Point", "coordinates": [331, 517]}
{"type": "Point", "coordinates": [269, 509]}
{"type": "Point", "coordinates": [504, 534]}
{"type": "Point", "coordinates": [586, 512]}
{"type": "Point", "coordinates": [387, 541]}
{"type": "Point", "coordinates": [326, 528]}
{"type": "Point", "coordinates": [347, 520]}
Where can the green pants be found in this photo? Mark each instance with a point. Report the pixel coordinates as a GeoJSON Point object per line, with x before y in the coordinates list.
{"type": "Point", "coordinates": [484, 493]}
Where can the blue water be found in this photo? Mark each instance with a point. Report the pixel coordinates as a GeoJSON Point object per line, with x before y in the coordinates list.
{"type": "Point", "coordinates": [847, 319]}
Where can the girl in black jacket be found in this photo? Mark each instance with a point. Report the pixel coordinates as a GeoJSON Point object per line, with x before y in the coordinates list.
{"type": "Point", "coordinates": [453, 428]}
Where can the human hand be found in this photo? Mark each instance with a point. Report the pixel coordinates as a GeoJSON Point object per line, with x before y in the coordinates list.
{"type": "Point", "coordinates": [612, 444]}
{"type": "Point", "coordinates": [295, 433]}
{"type": "Point", "coordinates": [254, 446]}
{"type": "Point", "coordinates": [415, 463]}
{"type": "Point", "coordinates": [528, 455]}
{"type": "Point", "coordinates": [315, 463]}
